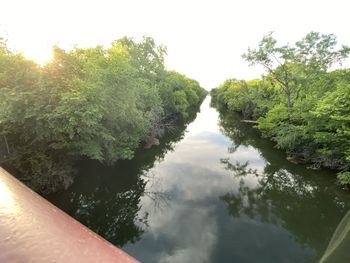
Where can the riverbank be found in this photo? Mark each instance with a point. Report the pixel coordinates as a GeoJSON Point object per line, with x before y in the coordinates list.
{"type": "Point", "coordinates": [312, 131]}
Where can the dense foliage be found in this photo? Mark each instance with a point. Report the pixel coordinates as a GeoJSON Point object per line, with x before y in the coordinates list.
{"type": "Point", "coordinates": [94, 102]}
{"type": "Point", "coordinates": [300, 104]}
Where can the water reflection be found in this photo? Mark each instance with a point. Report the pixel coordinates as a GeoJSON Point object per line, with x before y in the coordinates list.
{"type": "Point", "coordinates": [286, 195]}
{"type": "Point", "coordinates": [215, 193]}
{"type": "Point", "coordinates": [112, 215]}
{"type": "Point", "coordinates": [107, 199]}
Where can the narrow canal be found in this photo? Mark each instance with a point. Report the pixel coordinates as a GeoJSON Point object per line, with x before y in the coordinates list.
{"type": "Point", "coordinates": [213, 192]}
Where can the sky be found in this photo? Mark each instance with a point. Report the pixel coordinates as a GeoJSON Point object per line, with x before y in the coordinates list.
{"type": "Point", "coordinates": [204, 38]}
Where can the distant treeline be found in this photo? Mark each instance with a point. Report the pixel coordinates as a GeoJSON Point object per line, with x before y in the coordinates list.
{"type": "Point", "coordinates": [299, 104]}
{"type": "Point", "coordinates": [95, 103]}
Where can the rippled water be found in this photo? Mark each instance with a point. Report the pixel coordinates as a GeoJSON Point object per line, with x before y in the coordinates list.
{"type": "Point", "coordinates": [216, 192]}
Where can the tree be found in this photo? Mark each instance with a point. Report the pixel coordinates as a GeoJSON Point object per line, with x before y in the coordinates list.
{"type": "Point", "coordinates": [288, 66]}
{"type": "Point", "coordinates": [331, 126]}
{"type": "Point", "coordinates": [94, 103]}
{"type": "Point", "coordinates": [145, 56]}
{"type": "Point", "coordinates": [309, 118]}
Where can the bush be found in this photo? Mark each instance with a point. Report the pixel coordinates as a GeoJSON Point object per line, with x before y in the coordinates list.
{"type": "Point", "coordinates": [344, 178]}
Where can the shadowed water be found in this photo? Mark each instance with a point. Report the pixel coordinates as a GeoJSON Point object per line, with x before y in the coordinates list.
{"type": "Point", "coordinates": [216, 192]}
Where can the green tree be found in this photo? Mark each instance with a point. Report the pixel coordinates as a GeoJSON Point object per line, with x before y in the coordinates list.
{"type": "Point", "coordinates": [309, 118]}
{"type": "Point", "coordinates": [289, 65]}
{"type": "Point", "coordinates": [94, 103]}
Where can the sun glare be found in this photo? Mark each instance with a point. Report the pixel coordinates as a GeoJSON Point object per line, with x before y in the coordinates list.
{"type": "Point", "coordinates": [39, 55]}
{"type": "Point", "coordinates": [6, 200]}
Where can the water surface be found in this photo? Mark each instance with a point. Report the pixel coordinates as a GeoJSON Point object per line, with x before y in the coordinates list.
{"type": "Point", "coordinates": [215, 192]}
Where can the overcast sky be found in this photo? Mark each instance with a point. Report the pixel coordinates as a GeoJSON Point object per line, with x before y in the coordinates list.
{"type": "Point", "coordinates": [205, 39]}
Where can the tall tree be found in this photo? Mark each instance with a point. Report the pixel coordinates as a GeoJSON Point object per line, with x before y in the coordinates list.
{"type": "Point", "coordinates": [289, 65]}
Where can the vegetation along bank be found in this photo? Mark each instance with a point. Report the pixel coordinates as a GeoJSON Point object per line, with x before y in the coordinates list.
{"type": "Point", "coordinates": [300, 103]}
{"type": "Point", "coordinates": [92, 103]}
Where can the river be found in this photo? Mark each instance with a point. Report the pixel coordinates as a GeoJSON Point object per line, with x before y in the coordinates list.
{"type": "Point", "coordinates": [215, 192]}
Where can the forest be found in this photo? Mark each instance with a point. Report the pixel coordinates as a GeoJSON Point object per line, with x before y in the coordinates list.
{"type": "Point", "coordinates": [95, 103]}
{"type": "Point", "coordinates": [302, 102]}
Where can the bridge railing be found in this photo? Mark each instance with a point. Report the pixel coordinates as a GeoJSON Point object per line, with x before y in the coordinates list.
{"type": "Point", "coordinates": [34, 230]}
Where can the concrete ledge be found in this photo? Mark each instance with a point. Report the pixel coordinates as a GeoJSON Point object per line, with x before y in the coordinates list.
{"type": "Point", "coordinates": [34, 230]}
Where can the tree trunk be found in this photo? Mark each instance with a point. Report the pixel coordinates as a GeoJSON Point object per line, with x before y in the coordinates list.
{"type": "Point", "coordinates": [7, 145]}
{"type": "Point", "coordinates": [289, 103]}
{"type": "Point", "coordinates": [289, 99]}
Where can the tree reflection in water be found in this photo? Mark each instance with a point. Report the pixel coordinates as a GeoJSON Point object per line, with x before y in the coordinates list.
{"type": "Point", "coordinates": [284, 194]}
{"type": "Point", "coordinates": [107, 198]}
{"type": "Point", "coordinates": [115, 216]}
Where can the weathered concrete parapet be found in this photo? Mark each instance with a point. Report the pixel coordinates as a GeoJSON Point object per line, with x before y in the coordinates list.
{"type": "Point", "coordinates": [34, 230]}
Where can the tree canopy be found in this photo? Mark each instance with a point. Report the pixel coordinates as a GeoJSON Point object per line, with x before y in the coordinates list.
{"type": "Point", "coordinates": [288, 66]}
{"type": "Point", "coordinates": [300, 104]}
{"type": "Point", "coordinates": [92, 103]}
